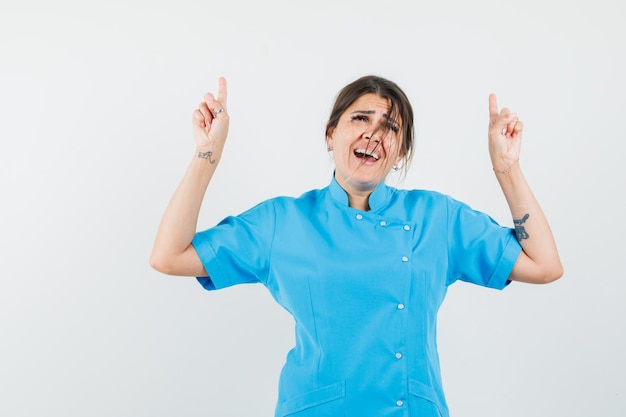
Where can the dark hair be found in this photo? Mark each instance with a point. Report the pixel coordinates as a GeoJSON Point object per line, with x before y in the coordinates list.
{"type": "Point", "coordinates": [400, 108]}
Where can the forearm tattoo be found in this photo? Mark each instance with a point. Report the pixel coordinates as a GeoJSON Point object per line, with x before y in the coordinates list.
{"type": "Point", "coordinates": [206, 155]}
{"type": "Point", "coordinates": [520, 231]}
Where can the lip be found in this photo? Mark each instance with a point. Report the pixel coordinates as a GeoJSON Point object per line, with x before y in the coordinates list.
{"type": "Point", "coordinates": [366, 156]}
{"type": "Point", "coordinates": [363, 153]}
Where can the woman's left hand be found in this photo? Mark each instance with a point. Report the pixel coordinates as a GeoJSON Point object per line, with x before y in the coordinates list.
{"type": "Point", "coordinates": [505, 136]}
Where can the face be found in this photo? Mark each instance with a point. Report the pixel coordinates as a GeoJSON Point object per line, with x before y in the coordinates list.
{"type": "Point", "coordinates": [366, 144]}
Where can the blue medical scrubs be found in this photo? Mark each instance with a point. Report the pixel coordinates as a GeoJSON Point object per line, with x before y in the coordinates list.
{"type": "Point", "coordinates": [363, 287]}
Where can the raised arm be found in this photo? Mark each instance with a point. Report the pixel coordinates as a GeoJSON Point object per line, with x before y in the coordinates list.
{"type": "Point", "coordinates": [539, 261]}
{"type": "Point", "coordinates": [173, 253]}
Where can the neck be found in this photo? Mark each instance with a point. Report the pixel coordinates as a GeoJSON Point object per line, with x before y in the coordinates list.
{"type": "Point", "coordinates": [359, 202]}
{"type": "Point", "coordinates": [358, 194]}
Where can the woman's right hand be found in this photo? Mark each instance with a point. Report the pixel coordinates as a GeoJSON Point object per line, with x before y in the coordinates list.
{"type": "Point", "coordinates": [210, 120]}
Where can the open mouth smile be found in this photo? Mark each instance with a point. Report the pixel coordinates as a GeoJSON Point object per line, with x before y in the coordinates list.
{"type": "Point", "coordinates": [366, 155]}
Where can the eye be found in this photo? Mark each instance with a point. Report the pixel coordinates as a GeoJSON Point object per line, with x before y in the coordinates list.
{"type": "Point", "coordinates": [359, 118]}
{"type": "Point", "coordinates": [393, 127]}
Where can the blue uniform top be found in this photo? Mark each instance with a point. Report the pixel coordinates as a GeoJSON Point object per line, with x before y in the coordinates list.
{"type": "Point", "coordinates": [363, 287]}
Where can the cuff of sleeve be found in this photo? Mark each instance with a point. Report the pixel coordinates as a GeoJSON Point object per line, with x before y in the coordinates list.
{"type": "Point", "coordinates": [500, 277]}
{"type": "Point", "coordinates": [215, 279]}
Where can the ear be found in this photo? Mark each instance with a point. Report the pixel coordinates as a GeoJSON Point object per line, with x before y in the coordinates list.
{"type": "Point", "coordinates": [329, 137]}
{"type": "Point", "coordinates": [400, 157]}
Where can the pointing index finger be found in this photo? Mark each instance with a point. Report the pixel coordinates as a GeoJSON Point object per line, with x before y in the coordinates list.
{"type": "Point", "coordinates": [493, 108]}
{"type": "Point", "coordinates": [222, 93]}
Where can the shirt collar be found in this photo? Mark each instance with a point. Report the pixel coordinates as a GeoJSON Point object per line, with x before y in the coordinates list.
{"type": "Point", "coordinates": [377, 199]}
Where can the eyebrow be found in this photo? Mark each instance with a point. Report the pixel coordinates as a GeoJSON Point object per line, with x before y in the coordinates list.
{"type": "Point", "coordinates": [386, 116]}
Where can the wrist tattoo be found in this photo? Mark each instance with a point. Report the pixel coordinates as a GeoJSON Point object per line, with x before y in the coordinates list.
{"type": "Point", "coordinates": [520, 231]}
{"type": "Point", "coordinates": [206, 155]}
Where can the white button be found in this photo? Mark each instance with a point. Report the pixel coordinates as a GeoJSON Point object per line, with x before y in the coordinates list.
{"type": "Point", "coordinates": [399, 403]}
{"type": "Point", "coordinates": [400, 306]}
{"type": "Point", "coordinates": [398, 355]}
{"type": "Point", "coordinates": [383, 223]}
{"type": "Point", "coordinates": [359, 217]}
{"type": "Point", "coordinates": [405, 259]}
{"type": "Point", "coordinates": [407, 227]}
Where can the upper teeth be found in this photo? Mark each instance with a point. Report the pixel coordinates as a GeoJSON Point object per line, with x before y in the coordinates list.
{"type": "Point", "coordinates": [367, 153]}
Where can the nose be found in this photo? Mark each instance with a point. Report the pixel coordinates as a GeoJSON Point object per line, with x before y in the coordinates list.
{"type": "Point", "coordinates": [369, 136]}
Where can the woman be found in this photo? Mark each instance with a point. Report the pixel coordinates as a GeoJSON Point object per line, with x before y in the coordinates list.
{"type": "Point", "coordinates": [361, 266]}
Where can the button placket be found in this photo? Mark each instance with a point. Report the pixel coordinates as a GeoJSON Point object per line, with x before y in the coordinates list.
{"type": "Point", "coordinates": [399, 355]}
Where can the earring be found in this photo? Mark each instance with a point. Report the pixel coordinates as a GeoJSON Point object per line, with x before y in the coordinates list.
{"type": "Point", "coordinates": [395, 167]}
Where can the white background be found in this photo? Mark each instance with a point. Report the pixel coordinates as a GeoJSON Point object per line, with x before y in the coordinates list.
{"type": "Point", "coordinates": [95, 107]}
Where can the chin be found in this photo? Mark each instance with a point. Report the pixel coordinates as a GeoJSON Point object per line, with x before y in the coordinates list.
{"type": "Point", "coordinates": [364, 182]}
{"type": "Point", "coordinates": [361, 177]}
